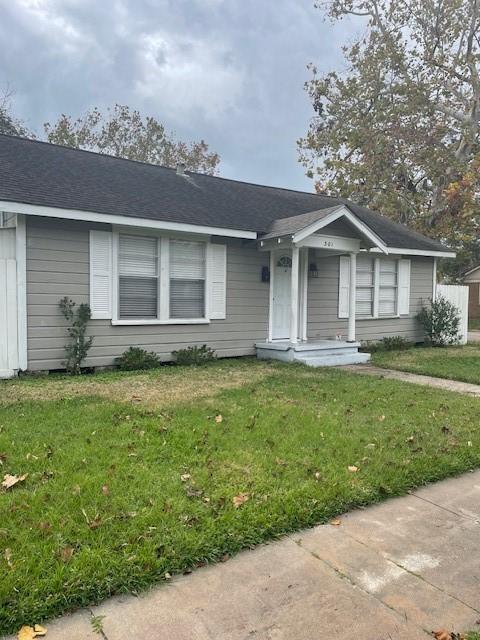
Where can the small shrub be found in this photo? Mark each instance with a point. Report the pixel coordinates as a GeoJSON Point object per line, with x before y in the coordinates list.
{"type": "Point", "coordinates": [194, 355]}
{"type": "Point", "coordinates": [371, 346]}
{"type": "Point", "coordinates": [441, 322]}
{"type": "Point", "coordinates": [395, 343]}
{"type": "Point", "coordinates": [79, 345]}
{"type": "Point", "coordinates": [135, 358]}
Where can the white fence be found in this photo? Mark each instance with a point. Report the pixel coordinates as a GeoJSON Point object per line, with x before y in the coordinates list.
{"type": "Point", "coordinates": [457, 295]}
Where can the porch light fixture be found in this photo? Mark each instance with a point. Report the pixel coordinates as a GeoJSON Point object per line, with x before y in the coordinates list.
{"type": "Point", "coordinates": [312, 270]}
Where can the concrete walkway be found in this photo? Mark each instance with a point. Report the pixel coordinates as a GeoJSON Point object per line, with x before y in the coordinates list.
{"type": "Point", "coordinates": [473, 336]}
{"type": "Point", "coordinates": [392, 571]}
{"type": "Point", "coordinates": [415, 378]}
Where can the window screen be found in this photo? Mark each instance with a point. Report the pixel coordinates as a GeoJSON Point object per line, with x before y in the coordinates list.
{"type": "Point", "coordinates": [387, 300]}
{"type": "Point", "coordinates": [365, 287]}
{"type": "Point", "coordinates": [187, 279]}
{"type": "Point", "coordinates": [138, 277]}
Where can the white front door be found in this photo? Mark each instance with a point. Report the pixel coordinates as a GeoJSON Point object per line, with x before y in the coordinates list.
{"type": "Point", "coordinates": [281, 296]}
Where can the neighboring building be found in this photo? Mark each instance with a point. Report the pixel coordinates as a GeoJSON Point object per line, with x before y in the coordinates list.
{"type": "Point", "coordinates": [472, 279]}
{"type": "Point", "coordinates": [168, 259]}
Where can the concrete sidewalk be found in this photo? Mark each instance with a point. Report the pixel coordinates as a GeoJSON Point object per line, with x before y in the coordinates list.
{"type": "Point", "coordinates": [393, 571]}
{"type": "Point", "coordinates": [415, 378]}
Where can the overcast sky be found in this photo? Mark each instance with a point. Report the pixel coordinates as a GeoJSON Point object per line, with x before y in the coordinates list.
{"type": "Point", "coordinates": [228, 71]}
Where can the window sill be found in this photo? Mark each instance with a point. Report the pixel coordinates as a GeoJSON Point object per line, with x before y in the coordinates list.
{"type": "Point", "coordinates": [155, 322]}
{"type": "Point", "coordinates": [396, 317]}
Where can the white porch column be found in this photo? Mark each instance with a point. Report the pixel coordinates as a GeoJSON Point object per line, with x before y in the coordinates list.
{"type": "Point", "coordinates": [352, 297]}
{"type": "Point", "coordinates": [294, 296]}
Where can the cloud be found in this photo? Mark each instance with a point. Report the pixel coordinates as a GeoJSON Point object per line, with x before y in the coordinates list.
{"type": "Point", "coordinates": [226, 71]}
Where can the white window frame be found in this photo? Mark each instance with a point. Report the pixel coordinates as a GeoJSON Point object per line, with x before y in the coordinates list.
{"type": "Point", "coordinates": [376, 294]}
{"type": "Point", "coordinates": [163, 280]}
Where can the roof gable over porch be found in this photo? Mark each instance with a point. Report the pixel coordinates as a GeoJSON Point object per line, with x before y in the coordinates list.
{"type": "Point", "coordinates": [336, 228]}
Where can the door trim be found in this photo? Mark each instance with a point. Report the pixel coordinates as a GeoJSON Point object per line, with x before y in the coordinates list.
{"type": "Point", "coordinates": [274, 255]}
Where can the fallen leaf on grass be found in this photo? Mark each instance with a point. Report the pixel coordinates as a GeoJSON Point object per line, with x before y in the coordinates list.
{"type": "Point", "coordinates": [185, 476]}
{"type": "Point", "coordinates": [336, 523]}
{"type": "Point", "coordinates": [10, 481]}
{"type": "Point", "coordinates": [352, 468]}
{"type": "Point", "coordinates": [66, 553]}
{"type": "Point", "coordinates": [3, 457]}
{"type": "Point", "coordinates": [443, 634]}
{"type": "Point", "coordinates": [8, 557]}
{"type": "Point", "coordinates": [240, 499]}
{"type": "Point", "coordinates": [218, 418]}
{"type": "Point", "coordinates": [381, 418]}
{"type": "Point", "coordinates": [105, 490]}
{"type": "Point", "coordinates": [28, 633]}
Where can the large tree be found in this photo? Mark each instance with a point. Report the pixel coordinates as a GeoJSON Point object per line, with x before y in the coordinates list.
{"type": "Point", "coordinates": [125, 133]}
{"type": "Point", "coordinates": [399, 128]}
{"type": "Point", "coordinates": [10, 125]}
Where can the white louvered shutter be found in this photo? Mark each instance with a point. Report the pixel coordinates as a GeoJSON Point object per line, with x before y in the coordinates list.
{"type": "Point", "coordinates": [403, 287]}
{"type": "Point", "coordinates": [217, 281]}
{"type": "Point", "coordinates": [101, 274]}
{"type": "Point", "coordinates": [187, 279]}
{"type": "Point", "coordinates": [344, 287]}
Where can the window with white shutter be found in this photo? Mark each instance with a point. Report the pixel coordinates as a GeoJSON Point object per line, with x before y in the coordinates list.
{"type": "Point", "coordinates": [137, 277]}
{"type": "Point", "coordinates": [187, 279]}
{"type": "Point", "coordinates": [217, 281]}
{"type": "Point", "coordinates": [100, 247]}
{"type": "Point", "coordinates": [382, 288]}
{"type": "Point", "coordinates": [403, 287]}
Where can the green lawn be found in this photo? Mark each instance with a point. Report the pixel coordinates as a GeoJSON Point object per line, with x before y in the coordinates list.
{"type": "Point", "coordinates": [454, 363]}
{"type": "Point", "coordinates": [133, 476]}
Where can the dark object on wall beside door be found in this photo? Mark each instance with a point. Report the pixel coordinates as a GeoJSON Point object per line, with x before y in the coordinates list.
{"type": "Point", "coordinates": [265, 274]}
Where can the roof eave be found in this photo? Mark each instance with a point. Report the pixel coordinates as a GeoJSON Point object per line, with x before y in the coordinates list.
{"type": "Point", "coordinates": [127, 221]}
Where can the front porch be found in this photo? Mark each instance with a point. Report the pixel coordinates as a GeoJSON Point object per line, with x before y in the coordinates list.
{"type": "Point", "coordinates": [315, 353]}
{"type": "Point", "coordinates": [296, 247]}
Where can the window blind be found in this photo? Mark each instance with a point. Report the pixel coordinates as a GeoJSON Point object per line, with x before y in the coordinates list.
{"type": "Point", "coordinates": [365, 286]}
{"type": "Point", "coordinates": [187, 279]}
{"type": "Point", "coordinates": [138, 277]}
{"type": "Point", "coordinates": [387, 296]}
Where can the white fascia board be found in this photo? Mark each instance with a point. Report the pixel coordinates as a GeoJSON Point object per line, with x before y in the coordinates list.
{"type": "Point", "coordinates": [342, 212]}
{"type": "Point", "coordinates": [127, 221]}
{"type": "Point", "coordinates": [418, 252]}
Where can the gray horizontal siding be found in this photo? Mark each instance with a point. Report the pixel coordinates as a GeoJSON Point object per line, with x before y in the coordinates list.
{"type": "Point", "coordinates": [57, 266]}
{"type": "Point", "coordinates": [322, 317]}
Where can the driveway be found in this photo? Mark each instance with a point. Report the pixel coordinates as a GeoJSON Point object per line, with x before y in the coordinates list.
{"type": "Point", "coordinates": [392, 571]}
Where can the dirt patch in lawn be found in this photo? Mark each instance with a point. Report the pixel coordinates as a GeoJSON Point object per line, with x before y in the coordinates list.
{"type": "Point", "coordinates": [159, 388]}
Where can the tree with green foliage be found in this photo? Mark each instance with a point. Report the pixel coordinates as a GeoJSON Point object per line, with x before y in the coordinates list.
{"type": "Point", "coordinates": [9, 125]}
{"type": "Point", "coordinates": [125, 133]}
{"type": "Point", "coordinates": [399, 129]}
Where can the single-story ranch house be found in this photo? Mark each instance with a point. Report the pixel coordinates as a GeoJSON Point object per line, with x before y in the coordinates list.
{"type": "Point", "coordinates": [168, 259]}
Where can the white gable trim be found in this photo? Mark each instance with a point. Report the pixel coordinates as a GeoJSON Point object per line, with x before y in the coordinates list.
{"type": "Point", "coordinates": [90, 216]}
{"type": "Point", "coordinates": [342, 212]}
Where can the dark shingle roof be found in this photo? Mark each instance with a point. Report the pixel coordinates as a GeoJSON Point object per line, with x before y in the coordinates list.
{"type": "Point", "coordinates": [39, 173]}
{"type": "Point", "coordinates": [293, 224]}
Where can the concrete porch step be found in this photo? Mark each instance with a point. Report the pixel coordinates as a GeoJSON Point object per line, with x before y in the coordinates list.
{"type": "Point", "coordinates": [334, 360]}
{"type": "Point", "coordinates": [320, 353]}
